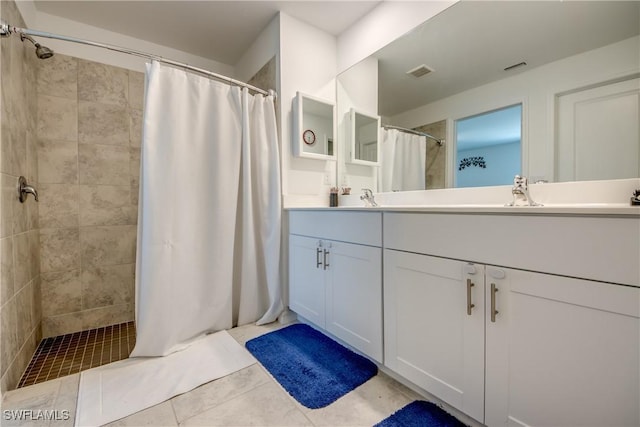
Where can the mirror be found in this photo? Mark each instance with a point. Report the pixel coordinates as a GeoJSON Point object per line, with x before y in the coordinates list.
{"type": "Point", "coordinates": [364, 146]}
{"type": "Point", "coordinates": [313, 127]}
{"type": "Point", "coordinates": [548, 57]}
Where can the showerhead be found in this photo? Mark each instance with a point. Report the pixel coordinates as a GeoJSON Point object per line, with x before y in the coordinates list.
{"type": "Point", "coordinates": [42, 52]}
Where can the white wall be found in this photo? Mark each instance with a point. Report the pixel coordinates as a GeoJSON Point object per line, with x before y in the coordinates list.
{"type": "Point", "coordinates": [265, 47]}
{"type": "Point", "coordinates": [307, 64]}
{"type": "Point", "coordinates": [381, 26]}
{"type": "Point", "coordinates": [45, 22]}
{"type": "Point", "coordinates": [537, 90]}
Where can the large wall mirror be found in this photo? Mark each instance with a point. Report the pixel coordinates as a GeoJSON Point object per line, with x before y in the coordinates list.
{"type": "Point", "coordinates": [570, 71]}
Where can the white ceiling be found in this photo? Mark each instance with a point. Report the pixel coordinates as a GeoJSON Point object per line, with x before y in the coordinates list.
{"type": "Point", "coordinates": [217, 30]}
{"type": "Point", "coordinates": [470, 44]}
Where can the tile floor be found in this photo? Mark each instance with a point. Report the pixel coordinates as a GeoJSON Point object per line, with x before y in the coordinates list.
{"type": "Point", "coordinates": [69, 354]}
{"type": "Point", "coordinates": [250, 397]}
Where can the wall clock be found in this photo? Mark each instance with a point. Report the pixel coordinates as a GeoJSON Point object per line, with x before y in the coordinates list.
{"type": "Point", "coordinates": [309, 137]}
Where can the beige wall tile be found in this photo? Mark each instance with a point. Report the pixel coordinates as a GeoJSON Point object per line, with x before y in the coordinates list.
{"type": "Point", "coordinates": [106, 205]}
{"type": "Point", "coordinates": [57, 118]}
{"type": "Point", "coordinates": [58, 205]}
{"type": "Point", "coordinates": [61, 292]}
{"type": "Point", "coordinates": [23, 313]}
{"type": "Point", "coordinates": [22, 261]}
{"type": "Point", "coordinates": [58, 162]}
{"type": "Point", "coordinates": [58, 76]}
{"type": "Point", "coordinates": [102, 83]}
{"type": "Point", "coordinates": [7, 270]}
{"type": "Point", "coordinates": [36, 307]}
{"type": "Point", "coordinates": [136, 89]}
{"type": "Point", "coordinates": [18, 150]}
{"type": "Point", "coordinates": [59, 249]}
{"type": "Point", "coordinates": [103, 164]}
{"type": "Point", "coordinates": [107, 286]}
{"type": "Point", "coordinates": [134, 165]}
{"type": "Point", "coordinates": [105, 316]}
{"type": "Point", "coordinates": [21, 210]}
{"type": "Point", "coordinates": [111, 245]}
{"type": "Point", "coordinates": [31, 171]}
{"type": "Point", "coordinates": [103, 123]}
{"type": "Point", "coordinates": [8, 200]}
{"type": "Point", "coordinates": [60, 325]}
{"type": "Point", "coordinates": [136, 128]}
{"type": "Point", "coordinates": [34, 252]}
{"type": "Point", "coordinates": [6, 164]}
{"type": "Point", "coordinates": [9, 329]}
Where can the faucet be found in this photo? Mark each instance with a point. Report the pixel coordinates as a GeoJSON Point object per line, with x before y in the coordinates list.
{"type": "Point", "coordinates": [520, 191]}
{"type": "Point", "coordinates": [368, 197]}
{"type": "Point", "coordinates": [24, 189]}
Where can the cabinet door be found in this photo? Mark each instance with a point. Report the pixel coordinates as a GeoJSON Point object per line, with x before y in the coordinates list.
{"type": "Point", "coordinates": [354, 296]}
{"type": "Point", "coordinates": [561, 352]}
{"type": "Point", "coordinates": [306, 279]}
{"type": "Point", "coordinates": [429, 337]}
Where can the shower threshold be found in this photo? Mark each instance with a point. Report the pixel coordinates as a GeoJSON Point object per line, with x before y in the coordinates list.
{"type": "Point", "coordinates": [69, 354]}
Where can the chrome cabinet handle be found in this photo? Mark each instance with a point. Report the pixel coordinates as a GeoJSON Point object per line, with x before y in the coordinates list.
{"type": "Point", "coordinates": [493, 302]}
{"type": "Point", "coordinates": [469, 304]}
{"type": "Point", "coordinates": [326, 259]}
{"type": "Point", "coordinates": [318, 261]}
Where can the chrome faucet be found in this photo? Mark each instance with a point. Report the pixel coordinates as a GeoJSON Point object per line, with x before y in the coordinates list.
{"type": "Point", "coordinates": [24, 189]}
{"type": "Point", "coordinates": [520, 191]}
{"type": "Point", "coordinates": [368, 197]}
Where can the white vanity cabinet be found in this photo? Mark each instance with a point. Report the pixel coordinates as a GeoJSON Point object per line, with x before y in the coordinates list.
{"type": "Point", "coordinates": [335, 275]}
{"type": "Point", "coordinates": [518, 347]}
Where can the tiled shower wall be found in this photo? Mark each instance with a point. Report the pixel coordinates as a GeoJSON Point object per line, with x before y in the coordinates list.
{"type": "Point", "coordinates": [19, 237]}
{"type": "Point", "coordinates": [436, 154]}
{"type": "Point", "coordinates": [89, 135]}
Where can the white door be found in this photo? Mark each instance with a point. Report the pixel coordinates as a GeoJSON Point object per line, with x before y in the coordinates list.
{"type": "Point", "coordinates": [599, 133]}
{"type": "Point", "coordinates": [430, 337]}
{"type": "Point", "coordinates": [306, 278]}
{"type": "Point", "coordinates": [561, 351]}
{"type": "Point", "coordinates": [354, 296]}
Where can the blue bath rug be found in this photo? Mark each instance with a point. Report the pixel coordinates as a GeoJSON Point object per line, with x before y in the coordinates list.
{"type": "Point", "coordinates": [313, 368]}
{"type": "Point", "coordinates": [420, 414]}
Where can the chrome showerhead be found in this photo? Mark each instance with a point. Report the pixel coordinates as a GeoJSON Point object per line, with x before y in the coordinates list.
{"type": "Point", "coordinates": [42, 52]}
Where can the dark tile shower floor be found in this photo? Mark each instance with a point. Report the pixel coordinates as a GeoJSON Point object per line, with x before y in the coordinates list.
{"type": "Point", "coordinates": [69, 354]}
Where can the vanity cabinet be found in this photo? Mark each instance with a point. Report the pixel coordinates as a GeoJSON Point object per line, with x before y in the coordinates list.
{"type": "Point", "coordinates": [507, 346]}
{"type": "Point", "coordinates": [335, 275]}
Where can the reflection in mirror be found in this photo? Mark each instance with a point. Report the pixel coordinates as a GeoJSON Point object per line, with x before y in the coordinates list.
{"type": "Point", "coordinates": [488, 148]}
{"type": "Point", "coordinates": [364, 138]}
{"type": "Point", "coordinates": [568, 51]}
{"type": "Point", "coordinates": [313, 127]}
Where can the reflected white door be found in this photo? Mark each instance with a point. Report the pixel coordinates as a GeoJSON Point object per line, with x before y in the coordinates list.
{"type": "Point", "coordinates": [599, 133]}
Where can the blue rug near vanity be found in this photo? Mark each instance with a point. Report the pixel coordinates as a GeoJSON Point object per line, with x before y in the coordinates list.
{"type": "Point", "coordinates": [420, 414]}
{"type": "Point", "coordinates": [313, 368]}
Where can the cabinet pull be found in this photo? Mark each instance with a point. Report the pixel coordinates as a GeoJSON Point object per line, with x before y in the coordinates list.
{"type": "Point", "coordinates": [326, 259]}
{"type": "Point", "coordinates": [493, 302]}
{"type": "Point", "coordinates": [318, 261]}
{"type": "Point", "coordinates": [469, 305]}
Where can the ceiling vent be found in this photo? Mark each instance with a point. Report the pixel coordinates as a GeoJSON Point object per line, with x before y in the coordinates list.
{"type": "Point", "coordinates": [420, 70]}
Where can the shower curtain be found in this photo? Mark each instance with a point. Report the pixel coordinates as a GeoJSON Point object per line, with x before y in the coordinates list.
{"type": "Point", "coordinates": [403, 161]}
{"type": "Point", "coordinates": [209, 211]}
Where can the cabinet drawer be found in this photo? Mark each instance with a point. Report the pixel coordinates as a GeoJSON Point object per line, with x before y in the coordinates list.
{"type": "Point", "coordinates": [597, 248]}
{"type": "Point", "coordinates": [353, 227]}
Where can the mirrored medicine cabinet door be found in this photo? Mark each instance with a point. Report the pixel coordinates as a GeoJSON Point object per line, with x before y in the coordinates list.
{"type": "Point", "coordinates": [364, 136]}
{"type": "Point", "coordinates": [313, 127]}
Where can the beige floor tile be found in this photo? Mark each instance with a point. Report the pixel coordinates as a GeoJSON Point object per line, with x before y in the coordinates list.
{"type": "Point", "coordinates": [219, 391]}
{"type": "Point", "coordinates": [365, 406]}
{"type": "Point", "coordinates": [161, 415]}
{"type": "Point", "coordinates": [264, 406]}
{"type": "Point", "coordinates": [24, 404]}
{"type": "Point", "coordinates": [244, 333]}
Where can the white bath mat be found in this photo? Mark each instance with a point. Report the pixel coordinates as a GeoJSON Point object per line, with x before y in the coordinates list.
{"type": "Point", "coordinates": [114, 391]}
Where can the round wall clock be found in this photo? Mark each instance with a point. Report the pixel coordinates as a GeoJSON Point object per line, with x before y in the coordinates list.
{"type": "Point", "coordinates": [309, 137]}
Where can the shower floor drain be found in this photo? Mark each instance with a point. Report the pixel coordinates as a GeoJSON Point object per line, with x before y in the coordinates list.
{"type": "Point", "coordinates": [68, 354]}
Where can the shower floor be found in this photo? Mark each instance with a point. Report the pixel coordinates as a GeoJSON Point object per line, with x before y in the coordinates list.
{"type": "Point", "coordinates": [68, 354]}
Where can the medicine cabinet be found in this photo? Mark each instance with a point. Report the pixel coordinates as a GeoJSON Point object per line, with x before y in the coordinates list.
{"type": "Point", "coordinates": [313, 128]}
{"type": "Point", "coordinates": [364, 138]}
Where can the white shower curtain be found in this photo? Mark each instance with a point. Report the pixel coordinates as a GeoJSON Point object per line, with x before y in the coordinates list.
{"type": "Point", "coordinates": [206, 258]}
{"type": "Point", "coordinates": [403, 161]}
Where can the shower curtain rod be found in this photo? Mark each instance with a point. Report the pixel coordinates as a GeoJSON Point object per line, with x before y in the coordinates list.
{"type": "Point", "coordinates": [6, 30]}
{"type": "Point", "coordinates": [415, 132]}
